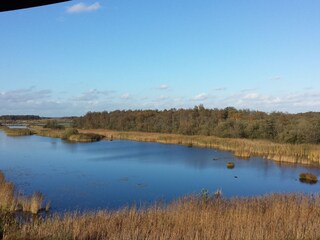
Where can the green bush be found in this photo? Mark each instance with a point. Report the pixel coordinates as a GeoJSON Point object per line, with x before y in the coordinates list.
{"type": "Point", "coordinates": [53, 124]}
{"type": "Point", "coordinates": [69, 132]}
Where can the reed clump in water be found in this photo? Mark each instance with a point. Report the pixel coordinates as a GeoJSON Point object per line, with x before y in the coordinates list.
{"type": "Point", "coordinates": [12, 201]}
{"type": "Point", "coordinates": [7, 194]}
{"type": "Point", "coordinates": [308, 178]}
{"type": "Point", "coordinates": [85, 137]}
{"type": "Point", "coordinates": [275, 216]}
{"type": "Point", "coordinates": [230, 165]}
{"type": "Point", "coordinates": [70, 134]}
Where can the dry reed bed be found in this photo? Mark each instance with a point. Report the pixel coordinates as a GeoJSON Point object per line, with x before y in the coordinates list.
{"type": "Point", "coordinates": [268, 217]}
{"type": "Point", "coordinates": [12, 201]}
{"type": "Point", "coordinates": [307, 154]}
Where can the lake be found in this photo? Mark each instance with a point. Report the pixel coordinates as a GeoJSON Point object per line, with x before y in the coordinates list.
{"type": "Point", "coordinates": [114, 174]}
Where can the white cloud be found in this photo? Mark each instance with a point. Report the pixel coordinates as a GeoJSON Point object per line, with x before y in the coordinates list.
{"type": "Point", "coordinates": [91, 95]}
{"type": "Point", "coordinates": [24, 95]}
{"type": "Point", "coordinates": [200, 97]}
{"type": "Point", "coordinates": [220, 89]}
{"type": "Point", "coordinates": [125, 96]}
{"type": "Point", "coordinates": [82, 7]}
{"type": "Point", "coordinates": [163, 87]}
{"type": "Point", "coordinates": [276, 78]}
{"type": "Point", "coordinates": [44, 102]}
{"type": "Point", "coordinates": [251, 96]}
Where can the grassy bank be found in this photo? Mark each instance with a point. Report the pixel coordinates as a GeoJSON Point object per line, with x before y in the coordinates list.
{"type": "Point", "coordinates": [16, 131]}
{"type": "Point", "coordinates": [267, 217]}
{"type": "Point", "coordinates": [69, 134]}
{"type": "Point", "coordinates": [307, 154]}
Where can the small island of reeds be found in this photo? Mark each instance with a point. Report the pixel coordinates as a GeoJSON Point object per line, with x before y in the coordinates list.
{"type": "Point", "coordinates": [308, 178]}
{"type": "Point", "coordinates": [230, 165]}
{"type": "Point", "coordinates": [68, 134]}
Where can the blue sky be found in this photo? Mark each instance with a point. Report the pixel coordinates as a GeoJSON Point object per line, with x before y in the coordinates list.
{"type": "Point", "coordinates": [79, 56]}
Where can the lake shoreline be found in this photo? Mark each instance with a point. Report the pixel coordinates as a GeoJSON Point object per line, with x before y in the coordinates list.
{"type": "Point", "coordinates": [304, 154]}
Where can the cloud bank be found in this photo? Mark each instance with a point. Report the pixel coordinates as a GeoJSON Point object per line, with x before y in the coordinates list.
{"type": "Point", "coordinates": [45, 102]}
{"type": "Point", "coordinates": [82, 7]}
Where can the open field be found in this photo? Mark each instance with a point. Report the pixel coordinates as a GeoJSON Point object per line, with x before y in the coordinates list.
{"type": "Point", "coordinates": [307, 154]}
{"type": "Point", "coordinates": [195, 217]}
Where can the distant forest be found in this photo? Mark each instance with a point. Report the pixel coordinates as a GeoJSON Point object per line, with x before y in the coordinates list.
{"type": "Point", "coordinates": [228, 122]}
{"type": "Point", "coordinates": [19, 117]}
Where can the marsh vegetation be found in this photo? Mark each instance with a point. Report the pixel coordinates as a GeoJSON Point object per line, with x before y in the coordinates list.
{"type": "Point", "coordinates": [230, 165]}
{"type": "Point", "coordinates": [69, 134]}
{"type": "Point", "coordinates": [16, 131]}
{"type": "Point", "coordinates": [308, 178]}
{"type": "Point", "coordinates": [274, 216]}
{"type": "Point", "coordinates": [11, 200]}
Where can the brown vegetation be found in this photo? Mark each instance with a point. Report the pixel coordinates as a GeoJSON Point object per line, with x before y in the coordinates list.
{"type": "Point", "coordinates": [85, 137]}
{"type": "Point", "coordinates": [16, 131]}
{"type": "Point", "coordinates": [11, 201]}
{"type": "Point", "coordinates": [308, 178]}
{"type": "Point", "coordinates": [230, 165]}
{"type": "Point", "coordinates": [70, 134]}
{"type": "Point", "coordinates": [268, 217]}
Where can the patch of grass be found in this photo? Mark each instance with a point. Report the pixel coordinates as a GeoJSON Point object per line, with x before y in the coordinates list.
{"type": "Point", "coordinates": [230, 165]}
{"type": "Point", "coordinates": [18, 132]}
{"type": "Point", "coordinates": [36, 202]}
{"type": "Point", "coordinates": [8, 223]}
{"type": "Point", "coordinates": [85, 137]}
{"type": "Point", "coordinates": [69, 132]}
{"type": "Point", "coordinates": [308, 178]}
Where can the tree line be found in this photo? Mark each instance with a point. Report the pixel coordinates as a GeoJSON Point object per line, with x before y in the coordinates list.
{"type": "Point", "coordinates": [19, 117]}
{"type": "Point", "coordinates": [228, 122]}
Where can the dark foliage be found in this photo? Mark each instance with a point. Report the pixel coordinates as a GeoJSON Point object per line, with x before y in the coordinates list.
{"type": "Point", "coordinates": [53, 124]}
{"type": "Point", "coordinates": [19, 117]}
{"type": "Point", "coordinates": [228, 122]}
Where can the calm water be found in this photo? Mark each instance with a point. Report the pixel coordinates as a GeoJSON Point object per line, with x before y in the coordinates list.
{"type": "Point", "coordinates": [119, 173]}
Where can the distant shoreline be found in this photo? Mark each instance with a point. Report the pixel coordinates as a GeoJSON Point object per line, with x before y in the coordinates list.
{"type": "Point", "coordinates": [305, 154]}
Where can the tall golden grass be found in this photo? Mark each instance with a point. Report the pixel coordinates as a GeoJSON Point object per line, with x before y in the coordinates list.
{"type": "Point", "coordinates": [11, 201]}
{"type": "Point", "coordinates": [307, 154]}
{"type": "Point", "coordinates": [268, 217]}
